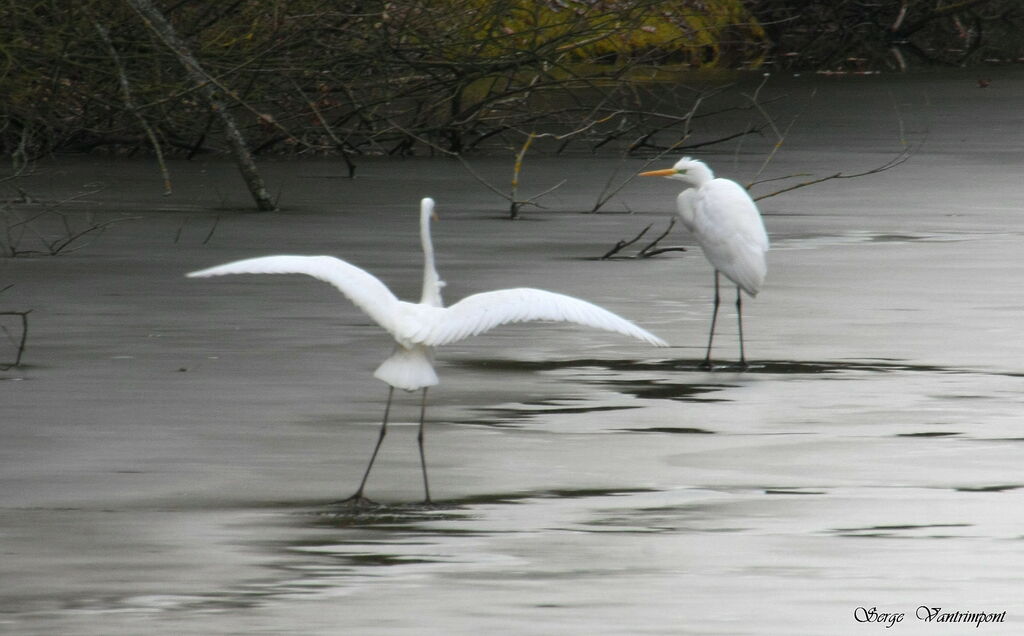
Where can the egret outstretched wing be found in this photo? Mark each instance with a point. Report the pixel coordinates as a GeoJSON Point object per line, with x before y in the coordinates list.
{"type": "Point", "coordinates": [482, 312]}
{"type": "Point", "coordinates": [364, 289]}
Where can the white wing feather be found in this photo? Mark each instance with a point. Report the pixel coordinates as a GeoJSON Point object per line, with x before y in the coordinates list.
{"type": "Point", "coordinates": [364, 289]}
{"type": "Point", "coordinates": [731, 233]}
{"type": "Point", "coordinates": [686, 207]}
{"type": "Point", "coordinates": [482, 312]}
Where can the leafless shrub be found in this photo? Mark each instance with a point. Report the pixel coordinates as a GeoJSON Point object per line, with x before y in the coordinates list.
{"type": "Point", "coordinates": [41, 228]}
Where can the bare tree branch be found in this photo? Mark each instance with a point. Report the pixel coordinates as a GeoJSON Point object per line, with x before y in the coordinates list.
{"type": "Point", "coordinates": [888, 165]}
{"type": "Point", "coordinates": [618, 247]}
{"type": "Point", "coordinates": [129, 102]}
{"type": "Point", "coordinates": [652, 249]}
{"type": "Point", "coordinates": [648, 251]}
{"type": "Point", "coordinates": [157, 23]}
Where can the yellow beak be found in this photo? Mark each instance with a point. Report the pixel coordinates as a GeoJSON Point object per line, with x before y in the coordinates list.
{"type": "Point", "coordinates": [667, 172]}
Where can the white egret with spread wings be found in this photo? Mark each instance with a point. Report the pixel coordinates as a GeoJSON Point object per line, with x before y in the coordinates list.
{"type": "Point", "coordinates": [419, 327]}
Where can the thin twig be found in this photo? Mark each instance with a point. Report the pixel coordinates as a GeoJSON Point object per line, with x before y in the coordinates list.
{"type": "Point", "coordinates": [63, 244]}
{"type": "Point", "coordinates": [888, 165]}
{"type": "Point", "coordinates": [213, 228]}
{"type": "Point", "coordinates": [609, 191]}
{"type": "Point", "coordinates": [780, 137]}
{"type": "Point", "coordinates": [339, 144]}
{"type": "Point", "coordinates": [129, 102]}
{"type": "Point", "coordinates": [771, 179]}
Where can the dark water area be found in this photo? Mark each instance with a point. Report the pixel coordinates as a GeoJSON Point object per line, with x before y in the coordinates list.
{"type": "Point", "coordinates": [170, 447]}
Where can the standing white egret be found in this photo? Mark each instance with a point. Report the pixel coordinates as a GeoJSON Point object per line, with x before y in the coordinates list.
{"type": "Point", "coordinates": [728, 227]}
{"type": "Point", "coordinates": [419, 327]}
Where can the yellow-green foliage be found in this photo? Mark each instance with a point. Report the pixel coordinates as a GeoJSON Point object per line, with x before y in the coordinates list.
{"type": "Point", "coordinates": [685, 32]}
{"type": "Point", "coordinates": [374, 65]}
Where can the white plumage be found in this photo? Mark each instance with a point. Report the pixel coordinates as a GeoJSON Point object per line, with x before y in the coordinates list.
{"type": "Point", "coordinates": [728, 227]}
{"type": "Point", "coordinates": [419, 327]}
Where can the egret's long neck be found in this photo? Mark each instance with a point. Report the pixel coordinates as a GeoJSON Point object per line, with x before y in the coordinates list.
{"type": "Point", "coordinates": [432, 282]}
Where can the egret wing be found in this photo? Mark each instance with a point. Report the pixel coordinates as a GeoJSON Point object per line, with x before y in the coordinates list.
{"type": "Point", "coordinates": [482, 312]}
{"type": "Point", "coordinates": [731, 233]}
{"type": "Point", "coordinates": [364, 289]}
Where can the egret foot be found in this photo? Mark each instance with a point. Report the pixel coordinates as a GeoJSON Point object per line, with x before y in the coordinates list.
{"type": "Point", "coordinates": [429, 504]}
{"type": "Point", "coordinates": [356, 501]}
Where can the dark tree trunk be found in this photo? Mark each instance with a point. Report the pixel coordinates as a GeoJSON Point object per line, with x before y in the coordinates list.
{"type": "Point", "coordinates": [156, 21]}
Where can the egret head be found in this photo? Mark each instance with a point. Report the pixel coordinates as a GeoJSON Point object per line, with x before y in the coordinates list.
{"type": "Point", "coordinates": [692, 172]}
{"type": "Point", "coordinates": [427, 209]}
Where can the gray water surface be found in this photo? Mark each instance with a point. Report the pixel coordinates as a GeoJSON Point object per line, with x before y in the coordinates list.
{"type": "Point", "coordinates": [171, 447]}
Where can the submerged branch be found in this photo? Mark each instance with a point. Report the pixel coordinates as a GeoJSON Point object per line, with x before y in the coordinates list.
{"type": "Point", "coordinates": [647, 251]}
{"type": "Point", "coordinates": [888, 165]}
{"type": "Point", "coordinates": [618, 247]}
{"type": "Point", "coordinates": [19, 342]}
{"type": "Point", "coordinates": [652, 249]}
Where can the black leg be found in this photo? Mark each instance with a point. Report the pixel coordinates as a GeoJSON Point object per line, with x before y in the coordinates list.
{"type": "Point", "coordinates": [423, 458]}
{"type": "Point", "coordinates": [739, 317]}
{"type": "Point", "coordinates": [358, 497]}
{"type": "Point", "coordinates": [714, 316]}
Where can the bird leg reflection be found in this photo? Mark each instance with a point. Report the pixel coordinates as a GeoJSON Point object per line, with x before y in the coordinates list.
{"type": "Point", "coordinates": [711, 336]}
{"type": "Point", "coordinates": [423, 458]}
{"type": "Point", "coordinates": [357, 498]}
